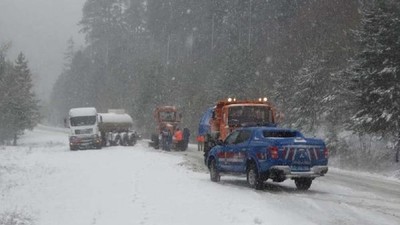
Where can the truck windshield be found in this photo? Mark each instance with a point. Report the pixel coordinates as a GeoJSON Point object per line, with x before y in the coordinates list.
{"type": "Point", "coordinates": [167, 116]}
{"type": "Point", "coordinates": [83, 120]}
{"type": "Point", "coordinates": [249, 114]}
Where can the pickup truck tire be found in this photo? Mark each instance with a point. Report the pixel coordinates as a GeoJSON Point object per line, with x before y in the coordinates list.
{"type": "Point", "coordinates": [303, 183]}
{"type": "Point", "coordinates": [214, 173]}
{"type": "Point", "coordinates": [253, 178]}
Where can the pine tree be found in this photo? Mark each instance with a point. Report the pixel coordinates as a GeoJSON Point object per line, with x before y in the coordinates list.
{"type": "Point", "coordinates": [376, 70]}
{"type": "Point", "coordinates": [310, 86]}
{"type": "Point", "coordinates": [7, 92]}
{"type": "Point", "coordinates": [69, 54]}
{"type": "Point", "coordinates": [27, 112]}
{"type": "Point", "coordinates": [191, 53]}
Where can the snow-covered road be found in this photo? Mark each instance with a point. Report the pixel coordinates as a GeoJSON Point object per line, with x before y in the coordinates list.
{"type": "Point", "coordinates": [42, 182]}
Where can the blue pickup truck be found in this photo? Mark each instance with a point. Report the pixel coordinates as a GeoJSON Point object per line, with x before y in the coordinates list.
{"type": "Point", "coordinates": [263, 153]}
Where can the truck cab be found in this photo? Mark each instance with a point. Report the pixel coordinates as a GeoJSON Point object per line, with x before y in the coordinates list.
{"type": "Point", "coordinates": [84, 132]}
{"type": "Point", "coordinates": [228, 115]}
{"type": "Point", "coordinates": [168, 120]}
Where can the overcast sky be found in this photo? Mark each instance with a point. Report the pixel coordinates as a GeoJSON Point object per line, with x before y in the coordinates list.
{"type": "Point", "coordinates": [40, 29]}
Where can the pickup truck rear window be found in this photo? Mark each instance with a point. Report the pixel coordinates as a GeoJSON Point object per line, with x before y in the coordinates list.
{"type": "Point", "coordinates": [283, 134]}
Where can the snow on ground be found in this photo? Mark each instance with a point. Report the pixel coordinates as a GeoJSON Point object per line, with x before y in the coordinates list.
{"type": "Point", "coordinates": [42, 182]}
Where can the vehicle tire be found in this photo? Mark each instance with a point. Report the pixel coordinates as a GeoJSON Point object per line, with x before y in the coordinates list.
{"type": "Point", "coordinates": [73, 148]}
{"type": "Point", "coordinates": [185, 145]}
{"type": "Point", "coordinates": [214, 173]}
{"type": "Point", "coordinates": [118, 140]}
{"type": "Point", "coordinates": [205, 158]}
{"type": "Point", "coordinates": [303, 183]}
{"type": "Point", "coordinates": [156, 144]}
{"type": "Point", "coordinates": [124, 140]}
{"type": "Point", "coordinates": [253, 178]}
{"type": "Point", "coordinates": [132, 140]}
{"type": "Point", "coordinates": [206, 147]}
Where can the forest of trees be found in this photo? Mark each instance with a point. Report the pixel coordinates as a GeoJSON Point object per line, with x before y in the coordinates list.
{"type": "Point", "coordinates": [19, 109]}
{"type": "Point", "coordinates": [331, 66]}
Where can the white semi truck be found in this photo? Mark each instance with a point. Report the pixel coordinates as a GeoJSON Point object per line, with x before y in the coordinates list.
{"type": "Point", "coordinates": [89, 129]}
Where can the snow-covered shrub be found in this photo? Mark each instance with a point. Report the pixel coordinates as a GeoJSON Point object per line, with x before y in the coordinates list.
{"type": "Point", "coordinates": [363, 152]}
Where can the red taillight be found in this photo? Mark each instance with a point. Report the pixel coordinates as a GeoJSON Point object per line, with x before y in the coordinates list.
{"type": "Point", "coordinates": [326, 153]}
{"type": "Point", "coordinates": [273, 151]}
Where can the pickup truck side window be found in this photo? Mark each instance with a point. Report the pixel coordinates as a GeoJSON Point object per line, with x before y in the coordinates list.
{"type": "Point", "coordinates": [232, 138]}
{"type": "Point", "coordinates": [243, 136]}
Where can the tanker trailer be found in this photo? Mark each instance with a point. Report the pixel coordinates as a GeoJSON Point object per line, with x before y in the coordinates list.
{"type": "Point", "coordinates": [116, 128]}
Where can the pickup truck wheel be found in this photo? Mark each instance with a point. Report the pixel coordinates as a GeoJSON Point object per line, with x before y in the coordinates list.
{"type": "Point", "coordinates": [253, 178]}
{"type": "Point", "coordinates": [303, 183]}
{"type": "Point", "coordinates": [214, 173]}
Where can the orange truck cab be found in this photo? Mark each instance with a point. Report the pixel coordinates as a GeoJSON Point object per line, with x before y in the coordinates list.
{"type": "Point", "coordinates": [229, 114]}
{"type": "Point", "coordinates": [166, 117]}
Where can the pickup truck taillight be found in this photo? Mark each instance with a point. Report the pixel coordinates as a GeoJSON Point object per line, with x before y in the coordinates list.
{"type": "Point", "coordinates": [326, 153]}
{"type": "Point", "coordinates": [274, 152]}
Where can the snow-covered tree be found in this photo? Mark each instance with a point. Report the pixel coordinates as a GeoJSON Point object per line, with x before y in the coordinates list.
{"type": "Point", "coordinates": [69, 54]}
{"type": "Point", "coordinates": [4, 94]}
{"type": "Point", "coordinates": [19, 108]}
{"type": "Point", "coordinates": [376, 70]}
{"type": "Point", "coordinates": [191, 53]}
{"type": "Point", "coordinates": [310, 93]}
{"type": "Point", "coordinates": [25, 108]}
